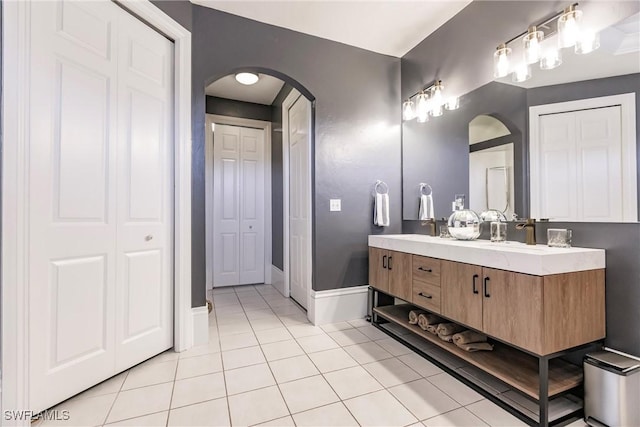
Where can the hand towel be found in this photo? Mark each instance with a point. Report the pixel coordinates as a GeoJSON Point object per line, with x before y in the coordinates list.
{"type": "Point", "coordinates": [445, 337]}
{"type": "Point", "coordinates": [476, 346]}
{"type": "Point", "coordinates": [449, 328]}
{"type": "Point", "coordinates": [432, 328]}
{"type": "Point", "coordinates": [426, 207]}
{"type": "Point", "coordinates": [413, 316]}
{"type": "Point", "coordinates": [468, 337]}
{"type": "Point", "coordinates": [381, 210]}
{"type": "Point", "coordinates": [426, 319]}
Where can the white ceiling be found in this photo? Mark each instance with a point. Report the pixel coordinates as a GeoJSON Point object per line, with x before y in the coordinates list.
{"type": "Point", "coordinates": [263, 92]}
{"type": "Point", "coordinates": [391, 27]}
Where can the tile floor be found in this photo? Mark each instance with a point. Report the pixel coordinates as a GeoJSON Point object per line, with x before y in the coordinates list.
{"type": "Point", "coordinates": [265, 364]}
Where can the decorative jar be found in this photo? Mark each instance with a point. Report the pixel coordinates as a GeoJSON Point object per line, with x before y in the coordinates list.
{"type": "Point", "coordinates": [464, 224]}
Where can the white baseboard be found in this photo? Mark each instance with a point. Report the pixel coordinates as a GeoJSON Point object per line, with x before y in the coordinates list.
{"type": "Point", "coordinates": [200, 325]}
{"type": "Point", "coordinates": [277, 280]}
{"type": "Point", "coordinates": [338, 305]}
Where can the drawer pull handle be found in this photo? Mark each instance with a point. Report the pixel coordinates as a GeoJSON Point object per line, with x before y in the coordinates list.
{"type": "Point", "coordinates": [486, 287]}
{"type": "Point", "coordinates": [475, 288]}
{"type": "Point", "coordinates": [390, 258]}
{"type": "Point", "coordinates": [428, 270]}
{"type": "Point", "coordinates": [384, 261]}
{"type": "Point", "coordinates": [425, 295]}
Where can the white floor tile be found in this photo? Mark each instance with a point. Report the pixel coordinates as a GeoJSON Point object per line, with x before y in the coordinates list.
{"type": "Point", "coordinates": [352, 382]}
{"type": "Point", "coordinates": [199, 365]}
{"type": "Point", "coordinates": [420, 365]}
{"type": "Point", "coordinates": [391, 372]}
{"type": "Point", "coordinates": [423, 399]}
{"type": "Point", "coordinates": [348, 337]}
{"type": "Point", "coordinates": [232, 342]}
{"type": "Point", "coordinates": [280, 422]}
{"type": "Point", "coordinates": [259, 314]}
{"type": "Point", "coordinates": [225, 299]}
{"type": "Point", "coordinates": [394, 347]}
{"type": "Point", "coordinates": [367, 352]}
{"type": "Point", "coordinates": [379, 409]}
{"type": "Point", "coordinates": [150, 373]}
{"type": "Point", "coordinates": [287, 309]}
{"type": "Point", "coordinates": [282, 350]}
{"type": "Point", "coordinates": [315, 343]}
{"type": "Point", "coordinates": [230, 318]}
{"type": "Point", "coordinates": [234, 328]}
{"type": "Point", "coordinates": [89, 411]}
{"type": "Point", "coordinates": [211, 413]}
{"type": "Point", "coordinates": [141, 401]}
{"type": "Point", "coordinates": [494, 415]}
{"type": "Point", "coordinates": [212, 347]}
{"type": "Point", "coordinates": [255, 306]}
{"type": "Point", "coordinates": [243, 289]}
{"type": "Point", "coordinates": [165, 356]}
{"type": "Point", "coordinates": [265, 323]}
{"type": "Point", "coordinates": [373, 333]}
{"type": "Point", "coordinates": [334, 415]}
{"type": "Point", "coordinates": [249, 378]}
{"type": "Point", "coordinates": [159, 419]}
{"type": "Point", "coordinates": [457, 418]}
{"type": "Point", "coordinates": [112, 385]}
{"type": "Point", "coordinates": [242, 357]}
{"type": "Point", "coordinates": [299, 331]}
{"type": "Point", "coordinates": [460, 392]}
{"type": "Point", "coordinates": [359, 323]}
{"type": "Point", "coordinates": [228, 309]}
{"type": "Point", "coordinates": [332, 327]}
{"type": "Point", "coordinates": [257, 406]}
{"type": "Point", "coordinates": [294, 368]}
{"type": "Point", "coordinates": [222, 290]}
{"type": "Point", "coordinates": [273, 335]}
{"type": "Point", "coordinates": [294, 319]}
{"type": "Point", "coordinates": [307, 393]}
{"type": "Point", "coordinates": [332, 360]}
{"type": "Point", "coordinates": [198, 389]}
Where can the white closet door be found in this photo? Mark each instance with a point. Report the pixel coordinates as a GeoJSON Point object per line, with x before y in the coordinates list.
{"type": "Point", "coordinates": [144, 251]}
{"type": "Point", "coordinates": [238, 209]}
{"type": "Point", "coordinates": [77, 194]}
{"type": "Point", "coordinates": [299, 201]}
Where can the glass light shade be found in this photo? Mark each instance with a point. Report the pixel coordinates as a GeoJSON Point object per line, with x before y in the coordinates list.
{"type": "Point", "coordinates": [501, 59]}
{"type": "Point", "coordinates": [437, 100]}
{"type": "Point", "coordinates": [464, 224]}
{"type": "Point", "coordinates": [452, 103]}
{"type": "Point", "coordinates": [551, 59]}
{"type": "Point", "coordinates": [408, 112]}
{"type": "Point", "coordinates": [247, 78]}
{"type": "Point", "coordinates": [422, 107]}
{"type": "Point", "coordinates": [569, 27]}
{"type": "Point", "coordinates": [531, 42]}
{"type": "Point", "coordinates": [587, 43]}
{"type": "Point", "coordinates": [522, 73]}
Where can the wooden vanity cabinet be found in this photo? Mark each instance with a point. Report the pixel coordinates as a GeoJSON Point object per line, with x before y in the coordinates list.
{"type": "Point", "coordinates": [462, 293]}
{"type": "Point", "coordinates": [425, 283]}
{"type": "Point", "coordinates": [390, 271]}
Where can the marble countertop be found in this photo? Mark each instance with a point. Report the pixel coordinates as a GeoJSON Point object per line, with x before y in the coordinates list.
{"type": "Point", "coordinates": [538, 260]}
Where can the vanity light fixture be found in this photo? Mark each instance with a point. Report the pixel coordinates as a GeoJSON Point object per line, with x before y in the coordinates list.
{"type": "Point", "coordinates": [587, 43]}
{"type": "Point", "coordinates": [452, 103]}
{"type": "Point", "coordinates": [430, 101]}
{"type": "Point", "coordinates": [501, 61]}
{"type": "Point", "coordinates": [551, 59]}
{"type": "Point", "coordinates": [436, 100]}
{"type": "Point", "coordinates": [247, 79]}
{"type": "Point", "coordinates": [422, 107]}
{"type": "Point", "coordinates": [408, 110]}
{"type": "Point", "coordinates": [569, 26]}
{"type": "Point", "coordinates": [531, 42]}
{"type": "Point", "coordinates": [522, 73]}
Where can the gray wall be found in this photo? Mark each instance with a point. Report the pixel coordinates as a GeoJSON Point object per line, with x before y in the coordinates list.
{"type": "Point", "coordinates": [233, 108]}
{"type": "Point", "coordinates": [451, 54]}
{"type": "Point", "coordinates": [357, 132]}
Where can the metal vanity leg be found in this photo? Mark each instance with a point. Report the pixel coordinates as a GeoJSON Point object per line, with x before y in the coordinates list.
{"type": "Point", "coordinates": [543, 374]}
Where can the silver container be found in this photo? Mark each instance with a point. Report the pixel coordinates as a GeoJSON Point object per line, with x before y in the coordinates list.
{"type": "Point", "coordinates": [611, 390]}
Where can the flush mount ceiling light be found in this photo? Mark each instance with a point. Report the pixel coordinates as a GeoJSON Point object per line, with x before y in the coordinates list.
{"type": "Point", "coordinates": [429, 101]}
{"type": "Point", "coordinates": [247, 78]}
{"type": "Point", "coordinates": [567, 25]}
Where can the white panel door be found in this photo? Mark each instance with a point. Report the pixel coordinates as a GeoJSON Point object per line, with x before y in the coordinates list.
{"type": "Point", "coordinates": [238, 206]}
{"type": "Point", "coordinates": [76, 196]}
{"type": "Point", "coordinates": [299, 201]}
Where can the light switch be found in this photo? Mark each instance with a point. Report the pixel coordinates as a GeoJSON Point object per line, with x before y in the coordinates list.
{"type": "Point", "coordinates": [335, 205]}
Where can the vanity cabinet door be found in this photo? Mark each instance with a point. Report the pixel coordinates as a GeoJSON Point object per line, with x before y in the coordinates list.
{"type": "Point", "coordinates": [512, 308]}
{"type": "Point", "coordinates": [461, 293]}
{"type": "Point", "coordinates": [378, 272]}
{"type": "Point", "coordinates": [399, 266]}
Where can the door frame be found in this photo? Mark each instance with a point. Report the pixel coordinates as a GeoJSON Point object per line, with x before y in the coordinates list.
{"type": "Point", "coordinates": [15, 171]}
{"type": "Point", "coordinates": [627, 103]}
{"type": "Point", "coordinates": [268, 229]}
{"type": "Point", "coordinates": [291, 99]}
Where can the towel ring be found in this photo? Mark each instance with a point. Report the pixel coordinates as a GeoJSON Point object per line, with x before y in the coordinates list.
{"type": "Point", "coordinates": [422, 188]}
{"type": "Point", "coordinates": [381, 187]}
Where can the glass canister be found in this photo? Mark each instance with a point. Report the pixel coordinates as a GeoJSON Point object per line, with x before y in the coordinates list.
{"type": "Point", "coordinates": [464, 224]}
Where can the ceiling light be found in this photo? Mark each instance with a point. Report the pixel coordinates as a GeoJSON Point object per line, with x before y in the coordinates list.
{"type": "Point", "coordinates": [569, 27]}
{"type": "Point", "coordinates": [587, 43]}
{"type": "Point", "coordinates": [522, 73]}
{"type": "Point", "coordinates": [408, 112]}
{"type": "Point", "coordinates": [247, 78]}
{"type": "Point", "coordinates": [422, 107]}
{"type": "Point", "coordinates": [437, 99]}
{"type": "Point", "coordinates": [501, 61]}
{"type": "Point", "coordinates": [531, 43]}
{"type": "Point", "coordinates": [551, 59]}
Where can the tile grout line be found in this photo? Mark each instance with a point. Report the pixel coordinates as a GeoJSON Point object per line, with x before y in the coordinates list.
{"type": "Point", "coordinates": [117, 395]}
{"type": "Point", "coordinates": [224, 377]}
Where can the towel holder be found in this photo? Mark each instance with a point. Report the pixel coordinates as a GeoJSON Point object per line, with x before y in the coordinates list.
{"type": "Point", "coordinates": [381, 187]}
{"type": "Point", "coordinates": [423, 186]}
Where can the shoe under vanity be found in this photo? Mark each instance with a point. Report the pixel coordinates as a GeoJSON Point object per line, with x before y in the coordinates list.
{"type": "Point", "coordinates": [538, 306]}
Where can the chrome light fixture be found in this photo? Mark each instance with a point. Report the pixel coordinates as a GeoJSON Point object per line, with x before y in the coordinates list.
{"type": "Point", "coordinates": [430, 101]}
{"type": "Point", "coordinates": [531, 42]}
{"type": "Point", "coordinates": [569, 27]}
{"type": "Point", "coordinates": [247, 79]}
{"type": "Point", "coordinates": [408, 111]}
{"type": "Point", "coordinates": [422, 107]}
{"type": "Point", "coordinates": [501, 61]}
{"type": "Point", "coordinates": [437, 101]}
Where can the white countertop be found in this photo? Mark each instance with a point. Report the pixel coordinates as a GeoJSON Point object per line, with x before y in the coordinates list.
{"type": "Point", "coordinates": [538, 260]}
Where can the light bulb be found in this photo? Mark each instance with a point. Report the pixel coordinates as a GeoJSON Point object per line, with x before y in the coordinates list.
{"type": "Point", "coordinates": [453, 103]}
{"type": "Point", "coordinates": [587, 43]}
{"type": "Point", "coordinates": [247, 78]}
{"type": "Point", "coordinates": [551, 59]}
{"type": "Point", "coordinates": [521, 73]}
{"type": "Point", "coordinates": [532, 49]}
{"type": "Point", "coordinates": [422, 107]}
{"type": "Point", "coordinates": [501, 61]}
{"type": "Point", "coordinates": [436, 99]}
{"type": "Point", "coordinates": [408, 112]}
{"type": "Point", "coordinates": [569, 27]}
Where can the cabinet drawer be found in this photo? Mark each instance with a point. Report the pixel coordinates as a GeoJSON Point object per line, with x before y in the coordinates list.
{"type": "Point", "coordinates": [426, 295]}
{"type": "Point", "coordinates": [426, 270]}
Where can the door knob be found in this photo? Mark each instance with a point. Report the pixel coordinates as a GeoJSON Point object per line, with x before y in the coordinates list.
{"type": "Point", "coordinates": [148, 237]}
{"type": "Point", "coordinates": [251, 227]}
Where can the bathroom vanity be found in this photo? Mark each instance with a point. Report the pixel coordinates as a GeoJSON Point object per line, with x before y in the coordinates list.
{"type": "Point", "coordinates": [535, 303]}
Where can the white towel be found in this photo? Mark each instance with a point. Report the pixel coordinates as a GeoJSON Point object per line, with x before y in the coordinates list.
{"type": "Point", "coordinates": [381, 210]}
{"type": "Point", "coordinates": [426, 208]}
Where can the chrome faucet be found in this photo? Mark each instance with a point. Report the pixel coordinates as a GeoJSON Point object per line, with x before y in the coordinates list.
{"type": "Point", "coordinates": [530, 227]}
